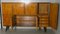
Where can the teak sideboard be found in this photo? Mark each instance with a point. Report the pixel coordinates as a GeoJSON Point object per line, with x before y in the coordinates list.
{"type": "Point", "coordinates": [31, 15]}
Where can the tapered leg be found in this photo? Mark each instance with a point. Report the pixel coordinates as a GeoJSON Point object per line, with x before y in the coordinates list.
{"type": "Point", "coordinates": [39, 28]}
{"type": "Point", "coordinates": [11, 29]}
{"type": "Point", "coordinates": [45, 29]}
{"type": "Point", "coordinates": [7, 27]}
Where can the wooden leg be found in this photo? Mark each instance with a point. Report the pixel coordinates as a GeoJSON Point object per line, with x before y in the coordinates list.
{"type": "Point", "coordinates": [15, 27]}
{"type": "Point", "coordinates": [39, 28]}
{"type": "Point", "coordinates": [7, 27]}
{"type": "Point", "coordinates": [36, 25]}
{"type": "Point", "coordinates": [45, 29]}
{"type": "Point", "coordinates": [36, 28]}
{"type": "Point", "coordinates": [11, 28]}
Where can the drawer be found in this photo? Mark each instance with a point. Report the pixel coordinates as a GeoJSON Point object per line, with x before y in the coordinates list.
{"type": "Point", "coordinates": [26, 23]}
{"type": "Point", "coordinates": [43, 25]}
{"type": "Point", "coordinates": [43, 15]}
{"type": "Point", "coordinates": [43, 18]}
{"type": "Point", "coordinates": [43, 21]}
{"type": "Point", "coordinates": [46, 13]}
{"type": "Point", "coordinates": [26, 17]}
{"type": "Point", "coordinates": [18, 21]}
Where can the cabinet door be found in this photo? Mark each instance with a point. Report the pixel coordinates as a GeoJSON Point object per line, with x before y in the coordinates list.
{"type": "Point", "coordinates": [53, 15]}
{"type": "Point", "coordinates": [6, 8]}
{"type": "Point", "coordinates": [31, 9]}
{"type": "Point", "coordinates": [7, 20]}
{"type": "Point", "coordinates": [7, 14]}
{"type": "Point", "coordinates": [18, 9]}
{"type": "Point", "coordinates": [43, 8]}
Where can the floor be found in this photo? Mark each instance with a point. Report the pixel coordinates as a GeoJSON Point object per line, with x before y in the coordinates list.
{"type": "Point", "coordinates": [25, 31]}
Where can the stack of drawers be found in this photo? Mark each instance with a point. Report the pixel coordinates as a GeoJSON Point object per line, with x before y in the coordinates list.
{"type": "Point", "coordinates": [43, 15]}
{"type": "Point", "coordinates": [43, 20]}
{"type": "Point", "coordinates": [26, 21]}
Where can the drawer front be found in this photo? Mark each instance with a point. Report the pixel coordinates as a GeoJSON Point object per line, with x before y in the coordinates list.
{"type": "Point", "coordinates": [43, 21]}
{"type": "Point", "coordinates": [43, 17]}
{"type": "Point", "coordinates": [24, 23]}
{"type": "Point", "coordinates": [43, 25]}
{"type": "Point", "coordinates": [26, 18]}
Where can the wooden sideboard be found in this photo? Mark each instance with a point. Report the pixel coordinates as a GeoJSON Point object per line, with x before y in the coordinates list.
{"type": "Point", "coordinates": [46, 14]}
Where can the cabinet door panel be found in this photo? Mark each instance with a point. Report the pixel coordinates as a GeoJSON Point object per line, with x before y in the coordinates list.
{"type": "Point", "coordinates": [7, 20]}
{"type": "Point", "coordinates": [7, 8]}
{"type": "Point", "coordinates": [43, 8]}
{"type": "Point", "coordinates": [31, 9]}
{"type": "Point", "coordinates": [18, 8]}
{"type": "Point", "coordinates": [53, 15]}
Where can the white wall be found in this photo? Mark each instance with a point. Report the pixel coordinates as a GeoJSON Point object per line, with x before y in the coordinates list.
{"type": "Point", "coordinates": [58, 1]}
{"type": "Point", "coordinates": [52, 1]}
{"type": "Point", "coordinates": [21, 0]}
